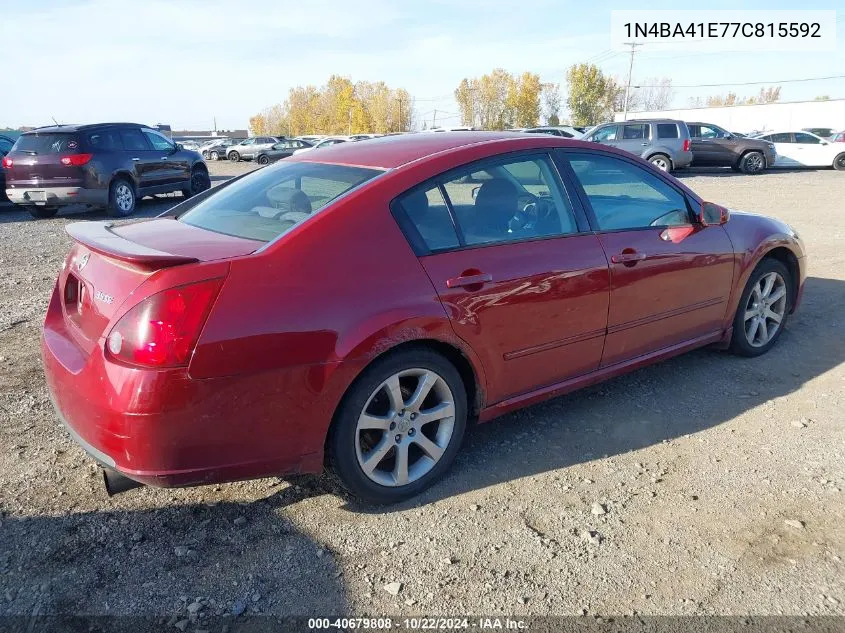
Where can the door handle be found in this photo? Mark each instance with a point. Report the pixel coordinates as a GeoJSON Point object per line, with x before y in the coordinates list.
{"type": "Point", "coordinates": [644, 144]}
{"type": "Point", "coordinates": [627, 258]}
{"type": "Point", "coordinates": [468, 280]}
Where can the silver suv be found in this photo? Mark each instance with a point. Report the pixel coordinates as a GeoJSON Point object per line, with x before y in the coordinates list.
{"type": "Point", "coordinates": [251, 147]}
{"type": "Point", "coordinates": [665, 143]}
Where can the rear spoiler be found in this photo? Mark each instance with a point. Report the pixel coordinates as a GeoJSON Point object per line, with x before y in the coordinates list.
{"type": "Point", "coordinates": [99, 237]}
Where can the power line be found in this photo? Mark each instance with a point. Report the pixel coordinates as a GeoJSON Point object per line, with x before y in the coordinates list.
{"type": "Point", "coordinates": [749, 83]}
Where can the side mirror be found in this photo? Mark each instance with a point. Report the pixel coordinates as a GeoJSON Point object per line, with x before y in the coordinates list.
{"type": "Point", "coordinates": [728, 135]}
{"type": "Point", "coordinates": [178, 147]}
{"type": "Point", "coordinates": [475, 191]}
{"type": "Point", "coordinates": [713, 214]}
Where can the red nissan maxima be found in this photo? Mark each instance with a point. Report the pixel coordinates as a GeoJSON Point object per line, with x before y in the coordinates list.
{"type": "Point", "coordinates": [357, 307]}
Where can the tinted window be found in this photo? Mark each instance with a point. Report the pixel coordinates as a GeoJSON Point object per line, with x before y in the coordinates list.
{"type": "Point", "coordinates": [103, 141]}
{"type": "Point", "coordinates": [47, 143]}
{"type": "Point", "coordinates": [800, 137]}
{"type": "Point", "coordinates": [159, 143]}
{"type": "Point", "coordinates": [517, 200]}
{"type": "Point", "coordinates": [604, 134]}
{"type": "Point", "coordinates": [706, 131]}
{"type": "Point", "coordinates": [133, 140]}
{"type": "Point", "coordinates": [667, 130]}
{"type": "Point", "coordinates": [626, 196]}
{"type": "Point", "coordinates": [783, 137]}
{"type": "Point", "coordinates": [5, 145]}
{"type": "Point", "coordinates": [270, 202]}
{"type": "Point", "coordinates": [427, 211]}
{"type": "Point", "coordinates": [635, 131]}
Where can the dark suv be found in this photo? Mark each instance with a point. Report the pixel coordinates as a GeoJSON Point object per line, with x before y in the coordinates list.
{"type": "Point", "coordinates": [105, 164]}
{"type": "Point", "coordinates": [713, 146]}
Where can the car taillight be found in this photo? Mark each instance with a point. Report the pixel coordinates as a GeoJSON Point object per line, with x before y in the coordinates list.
{"type": "Point", "coordinates": [163, 329]}
{"type": "Point", "coordinates": [686, 144]}
{"type": "Point", "coordinates": [75, 160]}
{"type": "Point", "coordinates": [7, 162]}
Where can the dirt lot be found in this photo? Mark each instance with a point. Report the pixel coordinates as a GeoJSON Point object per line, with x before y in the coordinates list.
{"type": "Point", "coordinates": [722, 480]}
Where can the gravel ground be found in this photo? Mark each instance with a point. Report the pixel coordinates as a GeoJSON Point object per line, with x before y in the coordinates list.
{"type": "Point", "coordinates": [708, 484]}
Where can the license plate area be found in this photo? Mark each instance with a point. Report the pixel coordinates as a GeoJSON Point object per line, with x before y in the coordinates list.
{"type": "Point", "coordinates": [35, 196]}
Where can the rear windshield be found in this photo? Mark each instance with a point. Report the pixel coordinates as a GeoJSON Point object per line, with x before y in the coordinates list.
{"type": "Point", "coordinates": [46, 143]}
{"type": "Point", "coordinates": [273, 200]}
{"type": "Point", "coordinates": [667, 130]}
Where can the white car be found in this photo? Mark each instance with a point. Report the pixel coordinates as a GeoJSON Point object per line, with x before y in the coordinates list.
{"type": "Point", "coordinates": [555, 130]}
{"type": "Point", "coordinates": [804, 149]}
{"type": "Point", "coordinates": [332, 140]}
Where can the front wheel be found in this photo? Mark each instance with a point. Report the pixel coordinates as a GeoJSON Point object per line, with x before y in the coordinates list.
{"type": "Point", "coordinates": [763, 309]}
{"type": "Point", "coordinates": [752, 163]}
{"type": "Point", "coordinates": [42, 213]}
{"type": "Point", "coordinates": [263, 160]}
{"type": "Point", "coordinates": [399, 427]}
{"type": "Point", "coordinates": [661, 161]}
{"type": "Point", "coordinates": [199, 182]}
{"type": "Point", "coordinates": [839, 162]}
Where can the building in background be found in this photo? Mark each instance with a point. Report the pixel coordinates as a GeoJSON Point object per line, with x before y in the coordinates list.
{"type": "Point", "coordinates": [759, 117]}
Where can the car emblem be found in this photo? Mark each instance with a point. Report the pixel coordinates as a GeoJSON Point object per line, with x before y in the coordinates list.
{"type": "Point", "coordinates": [101, 296]}
{"type": "Point", "coordinates": [81, 263]}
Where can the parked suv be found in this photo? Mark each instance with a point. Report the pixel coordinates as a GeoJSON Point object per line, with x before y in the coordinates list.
{"type": "Point", "coordinates": [105, 164]}
{"type": "Point", "coordinates": [665, 143]}
{"type": "Point", "coordinates": [713, 146]}
{"type": "Point", "coordinates": [249, 148]}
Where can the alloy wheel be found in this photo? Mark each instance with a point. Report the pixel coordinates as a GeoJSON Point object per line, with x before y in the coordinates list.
{"type": "Point", "coordinates": [405, 427]}
{"type": "Point", "coordinates": [765, 309]}
{"type": "Point", "coordinates": [124, 198]}
{"type": "Point", "coordinates": [754, 163]}
{"type": "Point", "coordinates": [661, 163]}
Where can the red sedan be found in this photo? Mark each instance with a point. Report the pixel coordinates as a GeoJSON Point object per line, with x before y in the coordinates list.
{"type": "Point", "coordinates": [358, 306]}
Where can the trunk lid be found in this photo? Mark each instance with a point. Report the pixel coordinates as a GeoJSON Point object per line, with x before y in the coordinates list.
{"type": "Point", "coordinates": [107, 264]}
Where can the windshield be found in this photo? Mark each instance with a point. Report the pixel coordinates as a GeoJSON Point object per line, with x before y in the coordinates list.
{"type": "Point", "coordinates": [272, 201]}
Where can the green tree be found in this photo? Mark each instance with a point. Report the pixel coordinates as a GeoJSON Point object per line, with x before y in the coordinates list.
{"type": "Point", "coordinates": [592, 95]}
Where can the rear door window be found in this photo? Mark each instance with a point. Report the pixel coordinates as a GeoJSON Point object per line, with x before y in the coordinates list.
{"type": "Point", "coordinates": [635, 131]}
{"type": "Point", "coordinates": [50, 143]}
{"type": "Point", "coordinates": [427, 212]}
{"type": "Point", "coordinates": [103, 141]}
{"type": "Point", "coordinates": [134, 141]}
{"type": "Point", "coordinates": [809, 139]}
{"type": "Point", "coordinates": [667, 130]}
{"type": "Point", "coordinates": [782, 137]}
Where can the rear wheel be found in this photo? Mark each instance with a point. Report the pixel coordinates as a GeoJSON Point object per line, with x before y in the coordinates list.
{"type": "Point", "coordinates": [399, 426]}
{"type": "Point", "coordinates": [263, 160]}
{"type": "Point", "coordinates": [839, 162]}
{"type": "Point", "coordinates": [199, 182]}
{"type": "Point", "coordinates": [661, 161]}
{"type": "Point", "coordinates": [234, 156]}
{"type": "Point", "coordinates": [214, 156]}
{"type": "Point", "coordinates": [42, 213]}
{"type": "Point", "coordinates": [763, 308]}
{"type": "Point", "coordinates": [752, 163]}
{"type": "Point", "coordinates": [121, 198]}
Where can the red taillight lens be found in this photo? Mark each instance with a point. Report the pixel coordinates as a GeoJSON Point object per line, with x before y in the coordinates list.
{"type": "Point", "coordinates": [7, 162]}
{"type": "Point", "coordinates": [163, 329]}
{"type": "Point", "coordinates": [76, 160]}
{"type": "Point", "coordinates": [686, 144]}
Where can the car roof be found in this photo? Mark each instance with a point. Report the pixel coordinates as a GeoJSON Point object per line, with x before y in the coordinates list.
{"type": "Point", "coordinates": [53, 129]}
{"type": "Point", "coordinates": [389, 152]}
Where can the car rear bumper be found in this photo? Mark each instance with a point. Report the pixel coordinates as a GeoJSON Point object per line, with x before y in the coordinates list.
{"type": "Point", "coordinates": [53, 196]}
{"type": "Point", "coordinates": [164, 428]}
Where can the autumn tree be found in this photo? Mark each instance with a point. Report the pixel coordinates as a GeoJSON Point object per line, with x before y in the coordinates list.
{"type": "Point", "coordinates": [258, 125]}
{"type": "Point", "coordinates": [499, 100]}
{"type": "Point", "coordinates": [551, 102]}
{"type": "Point", "coordinates": [592, 95]}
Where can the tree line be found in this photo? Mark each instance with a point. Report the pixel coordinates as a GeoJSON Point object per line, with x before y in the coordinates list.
{"type": "Point", "coordinates": [498, 100]}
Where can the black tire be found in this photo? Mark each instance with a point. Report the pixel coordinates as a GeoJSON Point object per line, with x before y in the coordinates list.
{"type": "Point", "coordinates": [839, 162]}
{"type": "Point", "coordinates": [263, 160]}
{"type": "Point", "coordinates": [342, 441]}
{"type": "Point", "coordinates": [752, 163]}
{"type": "Point", "coordinates": [42, 213]}
{"type": "Point", "coordinates": [199, 182]}
{"type": "Point", "coordinates": [214, 156]}
{"type": "Point", "coordinates": [121, 206]}
{"type": "Point", "coordinates": [233, 156]}
{"type": "Point", "coordinates": [739, 341]}
{"type": "Point", "coordinates": [661, 161]}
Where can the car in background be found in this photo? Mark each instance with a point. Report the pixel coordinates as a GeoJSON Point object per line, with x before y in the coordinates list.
{"type": "Point", "coordinates": [822, 132]}
{"type": "Point", "coordinates": [249, 148]}
{"type": "Point", "coordinates": [280, 150]}
{"type": "Point", "coordinates": [665, 143]}
{"type": "Point", "coordinates": [5, 146]}
{"type": "Point", "coordinates": [457, 128]}
{"type": "Point", "coordinates": [362, 137]}
{"type": "Point", "coordinates": [231, 346]}
{"type": "Point", "coordinates": [804, 149]}
{"type": "Point", "coordinates": [580, 129]}
{"type": "Point", "coordinates": [713, 146]}
{"type": "Point", "coordinates": [310, 138]}
{"type": "Point", "coordinates": [217, 149]}
{"type": "Point", "coordinates": [839, 137]}
{"type": "Point", "coordinates": [326, 142]}
{"type": "Point", "coordinates": [109, 165]}
{"type": "Point", "coordinates": [555, 130]}
{"type": "Point", "coordinates": [192, 145]}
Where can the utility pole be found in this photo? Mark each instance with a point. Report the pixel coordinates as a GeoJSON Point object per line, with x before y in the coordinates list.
{"type": "Point", "coordinates": [633, 46]}
{"type": "Point", "coordinates": [434, 119]}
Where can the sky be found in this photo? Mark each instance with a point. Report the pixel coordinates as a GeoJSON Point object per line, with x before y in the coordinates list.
{"type": "Point", "coordinates": [187, 62]}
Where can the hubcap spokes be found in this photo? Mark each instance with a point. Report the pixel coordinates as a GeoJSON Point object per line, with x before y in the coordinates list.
{"type": "Point", "coordinates": [405, 427]}
{"type": "Point", "coordinates": [765, 309]}
{"type": "Point", "coordinates": [124, 198]}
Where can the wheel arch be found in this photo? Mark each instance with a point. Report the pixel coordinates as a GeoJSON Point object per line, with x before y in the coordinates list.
{"type": "Point", "coordinates": [788, 259]}
{"type": "Point", "coordinates": [747, 151]}
{"type": "Point", "coordinates": [663, 153]}
{"type": "Point", "coordinates": [124, 174]}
